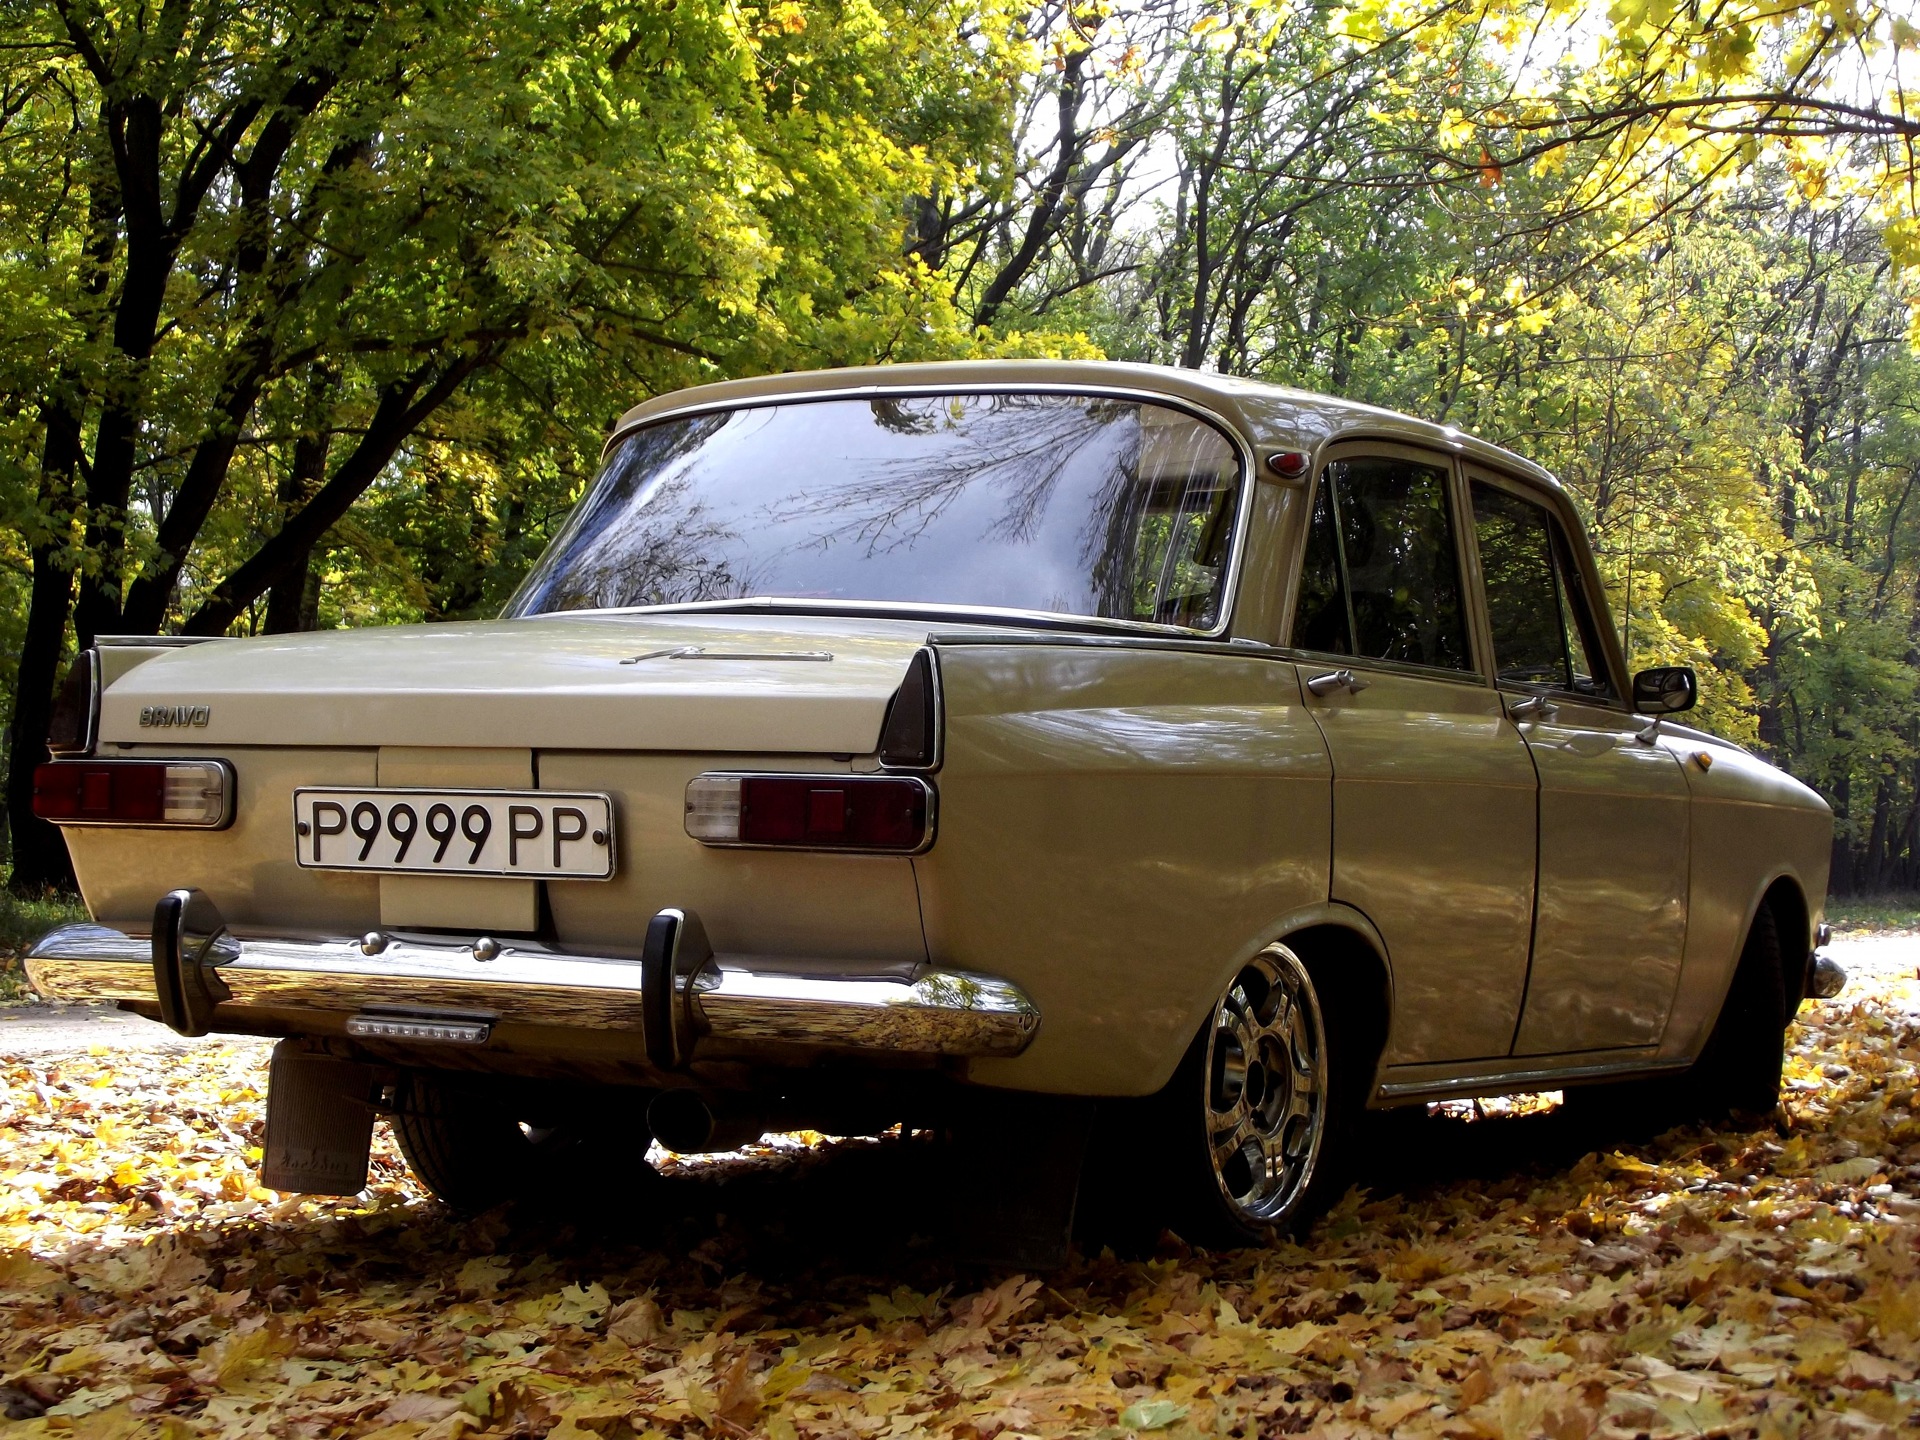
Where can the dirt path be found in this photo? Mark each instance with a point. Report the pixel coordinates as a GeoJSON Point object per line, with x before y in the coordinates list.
{"type": "Point", "coordinates": [44, 1029]}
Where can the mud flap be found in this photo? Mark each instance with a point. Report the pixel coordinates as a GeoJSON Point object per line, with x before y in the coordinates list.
{"type": "Point", "coordinates": [1012, 1177]}
{"type": "Point", "coordinates": [319, 1122]}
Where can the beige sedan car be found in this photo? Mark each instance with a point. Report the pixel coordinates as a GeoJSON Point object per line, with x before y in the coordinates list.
{"type": "Point", "coordinates": [868, 740]}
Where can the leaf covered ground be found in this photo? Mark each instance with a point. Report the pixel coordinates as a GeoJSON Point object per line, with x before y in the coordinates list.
{"type": "Point", "coordinates": [1496, 1279]}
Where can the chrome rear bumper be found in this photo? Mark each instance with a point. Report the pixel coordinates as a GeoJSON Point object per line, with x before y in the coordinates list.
{"type": "Point", "coordinates": [732, 1003]}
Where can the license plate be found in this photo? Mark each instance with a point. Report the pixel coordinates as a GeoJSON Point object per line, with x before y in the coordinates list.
{"type": "Point", "coordinates": [530, 833]}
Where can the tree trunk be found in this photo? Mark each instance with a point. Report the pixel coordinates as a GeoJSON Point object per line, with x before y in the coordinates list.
{"type": "Point", "coordinates": [1874, 870]}
{"type": "Point", "coordinates": [293, 601]}
{"type": "Point", "coordinates": [40, 855]}
{"type": "Point", "coordinates": [1840, 871]}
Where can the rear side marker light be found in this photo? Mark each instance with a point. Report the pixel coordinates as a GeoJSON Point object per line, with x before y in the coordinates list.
{"type": "Point", "coordinates": [195, 794]}
{"type": "Point", "coordinates": [887, 814]}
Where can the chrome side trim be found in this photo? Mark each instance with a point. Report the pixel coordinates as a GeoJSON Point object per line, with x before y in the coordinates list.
{"type": "Point", "coordinates": [744, 1001]}
{"type": "Point", "coordinates": [1509, 1082]}
{"type": "Point", "coordinates": [156, 642]}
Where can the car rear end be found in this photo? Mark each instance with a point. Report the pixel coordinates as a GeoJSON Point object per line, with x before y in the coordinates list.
{"type": "Point", "coordinates": [514, 900]}
{"type": "Point", "coordinates": [656, 830]}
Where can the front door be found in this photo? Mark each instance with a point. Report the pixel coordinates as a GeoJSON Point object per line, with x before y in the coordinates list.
{"type": "Point", "coordinates": [1433, 791]}
{"type": "Point", "coordinates": [1612, 912]}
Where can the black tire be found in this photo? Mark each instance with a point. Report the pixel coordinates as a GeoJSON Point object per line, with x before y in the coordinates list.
{"type": "Point", "coordinates": [1221, 1202]}
{"type": "Point", "coordinates": [475, 1146]}
{"type": "Point", "coordinates": [1738, 1072]}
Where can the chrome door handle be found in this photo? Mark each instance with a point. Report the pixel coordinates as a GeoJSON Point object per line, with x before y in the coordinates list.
{"type": "Point", "coordinates": [1534, 707]}
{"type": "Point", "coordinates": [1337, 680]}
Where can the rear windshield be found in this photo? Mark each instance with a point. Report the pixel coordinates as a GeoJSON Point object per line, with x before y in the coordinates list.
{"type": "Point", "coordinates": [1071, 504]}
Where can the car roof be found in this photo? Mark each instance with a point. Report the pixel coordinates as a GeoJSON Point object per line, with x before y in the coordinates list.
{"type": "Point", "coordinates": [1270, 416]}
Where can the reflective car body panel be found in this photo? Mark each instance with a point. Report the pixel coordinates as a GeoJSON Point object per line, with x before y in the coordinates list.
{"type": "Point", "coordinates": [1611, 927]}
{"type": "Point", "coordinates": [1433, 819]}
{"type": "Point", "coordinates": [1127, 811]}
{"type": "Point", "coordinates": [1120, 829]}
{"type": "Point", "coordinates": [1752, 826]}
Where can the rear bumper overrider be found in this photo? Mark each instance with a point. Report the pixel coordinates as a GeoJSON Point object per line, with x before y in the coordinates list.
{"type": "Point", "coordinates": [676, 1001]}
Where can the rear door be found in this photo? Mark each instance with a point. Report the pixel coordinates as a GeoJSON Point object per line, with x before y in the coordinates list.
{"type": "Point", "coordinates": [1611, 917]}
{"type": "Point", "coordinates": [1433, 791]}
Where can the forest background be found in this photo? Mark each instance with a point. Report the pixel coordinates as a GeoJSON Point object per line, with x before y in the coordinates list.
{"type": "Point", "coordinates": [316, 313]}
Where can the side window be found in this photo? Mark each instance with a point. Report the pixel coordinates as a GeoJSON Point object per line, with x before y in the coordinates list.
{"type": "Point", "coordinates": [1542, 634]}
{"type": "Point", "coordinates": [1382, 533]}
{"type": "Point", "coordinates": [1584, 649]}
{"type": "Point", "coordinates": [1320, 619]}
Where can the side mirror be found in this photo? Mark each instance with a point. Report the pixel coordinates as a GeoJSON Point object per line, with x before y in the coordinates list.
{"type": "Point", "coordinates": [1665, 690]}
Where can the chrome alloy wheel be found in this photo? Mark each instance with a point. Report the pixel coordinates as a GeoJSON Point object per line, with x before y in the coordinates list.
{"type": "Point", "coordinates": [1266, 1086]}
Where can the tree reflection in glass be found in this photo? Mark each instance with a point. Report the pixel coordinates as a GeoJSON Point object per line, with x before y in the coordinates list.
{"type": "Point", "coordinates": [1075, 504]}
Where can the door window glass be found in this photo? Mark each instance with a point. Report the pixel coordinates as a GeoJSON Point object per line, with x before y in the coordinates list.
{"type": "Point", "coordinates": [1584, 649]}
{"type": "Point", "coordinates": [1320, 618]}
{"type": "Point", "coordinates": [1535, 607]}
{"type": "Point", "coordinates": [1389, 530]}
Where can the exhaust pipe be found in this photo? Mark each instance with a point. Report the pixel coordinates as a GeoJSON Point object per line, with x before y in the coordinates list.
{"type": "Point", "coordinates": [684, 1123]}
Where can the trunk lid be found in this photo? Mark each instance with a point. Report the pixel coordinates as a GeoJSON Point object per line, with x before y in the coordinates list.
{"type": "Point", "coordinates": [694, 682]}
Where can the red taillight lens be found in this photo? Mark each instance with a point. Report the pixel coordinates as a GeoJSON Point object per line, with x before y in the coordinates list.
{"type": "Point", "coordinates": [813, 812]}
{"type": "Point", "coordinates": [133, 792]}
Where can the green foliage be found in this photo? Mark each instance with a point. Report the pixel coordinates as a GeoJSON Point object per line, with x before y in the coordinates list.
{"type": "Point", "coordinates": [23, 920]}
{"type": "Point", "coordinates": [1702, 331]}
{"type": "Point", "coordinates": [315, 314]}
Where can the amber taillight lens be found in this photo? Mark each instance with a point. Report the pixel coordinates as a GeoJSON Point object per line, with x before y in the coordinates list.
{"type": "Point", "coordinates": [194, 793]}
{"type": "Point", "coordinates": [884, 813]}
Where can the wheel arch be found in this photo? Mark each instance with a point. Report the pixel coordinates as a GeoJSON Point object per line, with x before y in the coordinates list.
{"type": "Point", "coordinates": [1782, 897]}
{"type": "Point", "coordinates": [1348, 963]}
{"type": "Point", "coordinates": [1793, 923]}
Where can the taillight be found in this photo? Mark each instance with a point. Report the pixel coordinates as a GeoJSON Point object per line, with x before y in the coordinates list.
{"type": "Point", "coordinates": [76, 708]}
{"type": "Point", "coordinates": [194, 793]}
{"type": "Point", "coordinates": [884, 813]}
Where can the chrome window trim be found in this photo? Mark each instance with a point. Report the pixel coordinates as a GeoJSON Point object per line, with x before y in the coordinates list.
{"type": "Point", "coordinates": [156, 642]}
{"type": "Point", "coordinates": [1343, 447]}
{"type": "Point", "coordinates": [1565, 518]}
{"type": "Point", "coordinates": [1402, 668]}
{"type": "Point", "coordinates": [1184, 642]}
{"type": "Point", "coordinates": [1250, 476]}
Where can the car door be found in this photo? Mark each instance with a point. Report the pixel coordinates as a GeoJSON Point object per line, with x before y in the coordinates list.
{"type": "Point", "coordinates": [1433, 791]}
{"type": "Point", "coordinates": [1611, 913]}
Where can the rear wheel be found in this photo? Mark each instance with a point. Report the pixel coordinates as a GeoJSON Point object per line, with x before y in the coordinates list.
{"type": "Point", "coordinates": [475, 1146]}
{"type": "Point", "coordinates": [1262, 1109]}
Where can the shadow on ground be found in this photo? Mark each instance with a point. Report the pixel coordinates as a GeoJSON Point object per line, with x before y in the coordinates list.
{"type": "Point", "coordinates": [883, 1208]}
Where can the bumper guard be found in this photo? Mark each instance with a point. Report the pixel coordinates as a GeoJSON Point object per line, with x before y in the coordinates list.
{"type": "Point", "coordinates": [202, 976]}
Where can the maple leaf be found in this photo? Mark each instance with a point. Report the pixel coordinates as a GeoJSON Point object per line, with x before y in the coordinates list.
{"type": "Point", "coordinates": [1152, 1414]}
